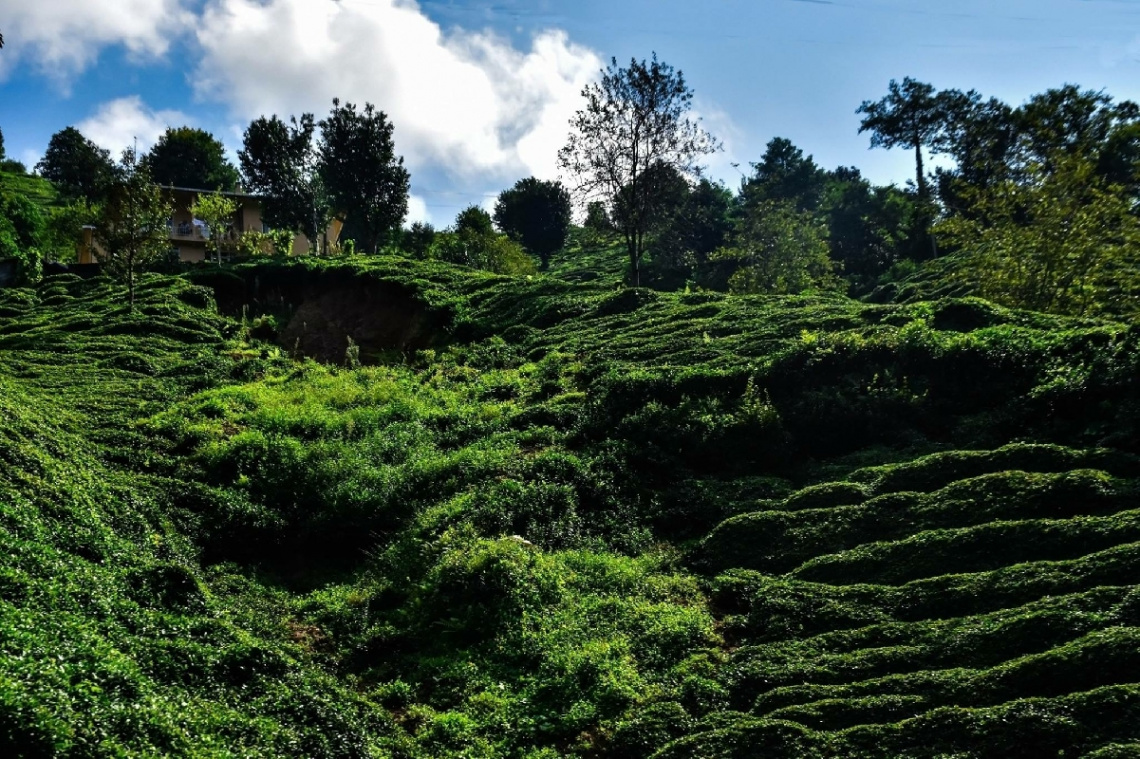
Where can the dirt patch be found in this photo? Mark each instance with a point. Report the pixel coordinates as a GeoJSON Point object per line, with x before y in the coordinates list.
{"type": "Point", "coordinates": [378, 320]}
{"type": "Point", "coordinates": [318, 313]}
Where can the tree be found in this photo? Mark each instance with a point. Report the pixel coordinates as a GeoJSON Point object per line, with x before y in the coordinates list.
{"type": "Point", "coordinates": [366, 181]}
{"type": "Point", "coordinates": [419, 238]}
{"type": "Point", "coordinates": [474, 220]}
{"type": "Point", "coordinates": [1065, 241]}
{"type": "Point", "coordinates": [774, 248]}
{"type": "Point", "coordinates": [536, 214]}
{"type": "Point", "coordinates": [911, 115]}
{"type": "Point", "coordinates": [699, 226]}
{"type": "Point", "coordinates": [188, 157]}
{"type": "Point", "coordinates": [783, 173]}
{"type": "Point", "coordinates": [474, 242]}
{"type": "Point", "coordinates": [279, 162]}
{"type": "Point", "coordinates": [981, 136]}
{"type": "Point", "coordinates": [133, 226]}
{"type": "Point", "coordinates": [597, 218]}
{"type": "Point", "coordinates": [869, 228]}
{"type": "Point", "coordinates": [80, 169]}
{"type": "Point", "coordinates": [634, 119]}
{"type": "Point", "coordinates": [217, 211]}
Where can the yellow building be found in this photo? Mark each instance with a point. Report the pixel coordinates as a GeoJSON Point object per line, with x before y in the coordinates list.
{"type": "Point", "coordinates": [188, 236]}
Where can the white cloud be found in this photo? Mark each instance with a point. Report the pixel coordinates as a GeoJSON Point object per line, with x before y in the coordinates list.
{"type": "Point", "coordinates": [724, 165]}
{"type": "Point", "coordinates": [417, 211]}
{"type": "Point", "coordinates": [65, 36]}
{"type": "Point", "coordinates": [467, 102]}
{"type": "Point", "coordinates": [118, 123]}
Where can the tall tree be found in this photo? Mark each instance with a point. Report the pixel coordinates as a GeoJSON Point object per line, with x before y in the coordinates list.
{"type": "Point", "coordinates": [981, 136]}
{"type": "Point", "coordinates": [78, 167]}
{"type": "Point", "coordinates": [365, 180]}
{"type": "Point", "coordinates": [537, 214]}
{"type": "Point", "coordinates": [911, 115]}
{"type": "Point", "coordinates": [784, 174]}
{"type": "Point", "coordinates": [1067, 121]}
{"type": "Point", "coordinates": [635, 118]}
{"type": "Point", "coordinates": [279, 162]}
{"type": "Point", "coordinates": [188, 157]}
{"type": "Point", "coordinates": [133, 226]}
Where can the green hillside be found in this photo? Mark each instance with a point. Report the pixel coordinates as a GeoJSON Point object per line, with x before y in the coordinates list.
{"type": "Point", "coordinates": [392, 508]}
{"type": "Point", "coordinates": [38, 190]}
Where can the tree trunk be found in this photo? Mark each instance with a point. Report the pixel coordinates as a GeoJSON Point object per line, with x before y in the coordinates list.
{"type": "Point", "coordinates": [631, 249]}
{"type": "Point", "coordinates": [924, 196]}
{"type": "Point", "coordinates": [130, 284]}
{"type": "Point", "coordinates": [920, 178]}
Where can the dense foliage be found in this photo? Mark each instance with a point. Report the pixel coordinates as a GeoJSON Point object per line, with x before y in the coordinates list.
{"type": "Point", "coordinates": [434, 503]}
{"type": "Point", "coordinates": [79, 169]}
{"type": "Point", "coordinates": [537, 214]}
{"type": "Point", "coordinates": [189, 157]}
{"type": "Point", "coordinates": [533, 517]}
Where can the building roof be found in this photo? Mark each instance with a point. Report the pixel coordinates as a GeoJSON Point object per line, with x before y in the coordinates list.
{"type": "Point", "coordinates": [210, 192]}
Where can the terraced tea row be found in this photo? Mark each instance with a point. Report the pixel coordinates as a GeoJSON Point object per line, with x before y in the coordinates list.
{"type": "Point", "coordinates": [948, 591]}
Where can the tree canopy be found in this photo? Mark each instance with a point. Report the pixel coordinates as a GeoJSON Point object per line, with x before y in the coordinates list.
{"type": "Point", "coordinates": [80, 169]}
{"type": "Point", "coordinates": [1064, 241]}
{"type": "Point", "coordinates": [218, 212]}
{"type": "Point", "coordinates": [634, 119]}
{"type": "Point", "coordinates": [279, 162]}
{"type": "Point", "coordinates": [537, 214]}
{"type": "Point", "coordinates": [189, 157]}
{"type": "Point", "coordinates": [783, 173]}
{"type": "Point", "coordinates": [366, 181]}
{"type": "Point", "coordinates": [911, 115]}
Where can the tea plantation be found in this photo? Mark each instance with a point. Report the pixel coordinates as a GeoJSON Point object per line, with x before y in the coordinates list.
{"type": "Point", "coordinates": [392, 508]}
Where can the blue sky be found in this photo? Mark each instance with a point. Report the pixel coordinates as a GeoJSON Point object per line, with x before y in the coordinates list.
{"type": "Point", "coordinates": [480, 92]}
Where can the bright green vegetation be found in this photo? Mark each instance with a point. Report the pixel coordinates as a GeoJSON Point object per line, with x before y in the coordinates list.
{"type": "Point", "coordinates": [541, 516]}
{"type": "Point", "coordinates": [38, 190]}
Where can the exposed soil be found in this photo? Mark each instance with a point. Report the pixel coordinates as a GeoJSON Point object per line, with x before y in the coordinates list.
{"type": "Point", "coordinates": [317, 316]}
{"type": "Point", "coordinates": [375, 320]}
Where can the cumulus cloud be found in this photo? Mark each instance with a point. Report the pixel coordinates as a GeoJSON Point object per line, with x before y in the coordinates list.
{"type": "Point", "coordinates": [118, 123]}
{"type": "Point", "coordinates": [725, 164]}
{"type": "Point", "coordinates": [417, 211]}
{"type": "Point", "coordinates": [65, 36]}
{"type": "Point", "coordinates": [466, 101]}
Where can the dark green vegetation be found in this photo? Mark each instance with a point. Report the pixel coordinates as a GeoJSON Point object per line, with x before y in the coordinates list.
{"type": "Point", "coordinates": [408, 506]}
{"type": "Point", "coordinates": [536, 517]}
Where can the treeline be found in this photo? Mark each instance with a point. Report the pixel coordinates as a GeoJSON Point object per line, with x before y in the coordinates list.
{"type": "Point", "coordinates": [1032, 206]}
{"type": "Point", "coordinates": [1037, 208]}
